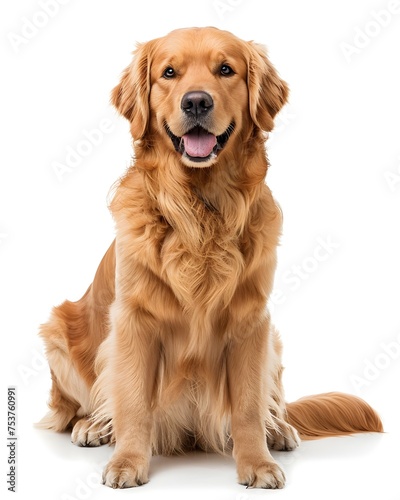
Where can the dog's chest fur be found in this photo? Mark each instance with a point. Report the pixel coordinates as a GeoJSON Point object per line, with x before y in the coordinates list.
{"type": "Point", "coordinates": [200, 247]}
{"type": "Point", "coordinates": [195, 250]}
{"type": "Point", "coordinates": [203, 277]}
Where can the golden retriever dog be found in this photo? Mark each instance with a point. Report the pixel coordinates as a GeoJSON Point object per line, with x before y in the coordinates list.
{"type": "Point", "coordinates": [171, 348]}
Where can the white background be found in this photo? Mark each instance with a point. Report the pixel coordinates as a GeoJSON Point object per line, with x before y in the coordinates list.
{"type": "Point", "coordinates": [335, 157]}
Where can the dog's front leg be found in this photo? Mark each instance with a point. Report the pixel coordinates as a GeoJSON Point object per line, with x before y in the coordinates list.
{"type": "Point", "coordinates": [133, 357]}
{"type": "Point", "coordinates": [247, 358]}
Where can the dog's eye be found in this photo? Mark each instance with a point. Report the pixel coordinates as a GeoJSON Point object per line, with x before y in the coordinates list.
{"type": "Point", "coordinates": [169, 72]}
{"type": "Point", "coordinates": [226, 70]}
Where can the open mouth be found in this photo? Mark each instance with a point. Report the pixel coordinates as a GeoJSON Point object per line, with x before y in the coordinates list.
{"type": "Point", "coordinates": [199, 145]}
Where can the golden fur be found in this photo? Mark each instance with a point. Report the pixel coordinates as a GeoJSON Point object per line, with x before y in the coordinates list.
{"type": "Point", "coordinates": [171, 347]}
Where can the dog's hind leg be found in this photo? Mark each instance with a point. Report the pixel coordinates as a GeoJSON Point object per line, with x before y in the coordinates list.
{"type": "Point", "coordinates": [62, 411]}
{"type": "Point", "coordinates": [69, 394]}
{"type": "Point", "coordinates": [70, 403]}
{"type": "Point", "coordinates": [71, 348]}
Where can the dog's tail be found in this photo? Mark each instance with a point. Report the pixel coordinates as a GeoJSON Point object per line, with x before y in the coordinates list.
{"type": "Point", "coordinates": [332, 414]}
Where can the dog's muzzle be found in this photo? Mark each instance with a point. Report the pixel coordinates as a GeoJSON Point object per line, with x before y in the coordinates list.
{"type": "Point", "coordinates": [198, 144]}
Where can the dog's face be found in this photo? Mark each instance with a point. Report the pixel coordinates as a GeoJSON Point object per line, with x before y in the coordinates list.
{"type": "Point", "coordinates": [200, 91]}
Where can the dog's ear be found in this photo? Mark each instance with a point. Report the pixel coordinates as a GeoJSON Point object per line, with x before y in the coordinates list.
{"type": "Point", "coordinates": [131, 95]}
{"type": "Point", "coordinates": [267, 91]}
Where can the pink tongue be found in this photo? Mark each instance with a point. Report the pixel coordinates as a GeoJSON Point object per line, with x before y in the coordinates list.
{"type": "Point", "coordinates": [199, 143]}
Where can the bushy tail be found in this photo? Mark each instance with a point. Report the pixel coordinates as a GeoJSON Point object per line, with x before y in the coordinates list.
{"type": "Point", "coordinates": [332, 414]}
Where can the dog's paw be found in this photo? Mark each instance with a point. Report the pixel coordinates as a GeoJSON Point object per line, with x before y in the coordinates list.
{"type": "Point", "coordinates": [88, 433]}
{"type": "Point", "coordinates": [284, 438]}
{"type": "Point", "coordinates": [266, 474]}
{"type": "Point", "coordinates": [126, 471]}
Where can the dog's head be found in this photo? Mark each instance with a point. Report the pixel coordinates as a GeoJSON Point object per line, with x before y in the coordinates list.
{"type": "Point", "coordinates": [200, 89]}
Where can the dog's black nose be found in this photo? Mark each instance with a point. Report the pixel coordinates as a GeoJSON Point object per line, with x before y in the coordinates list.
{"type": "Point", "coordinates": [197, 102]}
